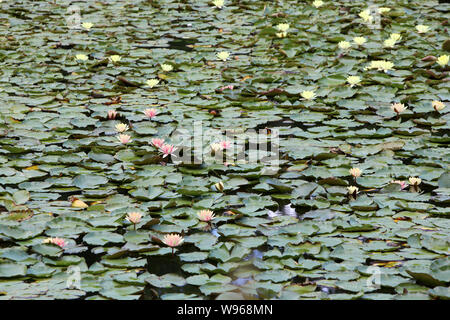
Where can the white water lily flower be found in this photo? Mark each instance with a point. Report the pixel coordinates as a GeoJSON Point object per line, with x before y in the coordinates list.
{"type": "Point", "coordinates": [81, 57]}
{"type": "Point", "coordinates": [87, 25]}
{"type": "Point", "coordinates": [317, 3]}
{"type": "Point", "coordinates": [218, 3]}
{"type": "Point", "coordinates": [395, 36]}
{"type": "Point", "coordinates": [353, 80]}
{"type": "Point", "coordinates": [359, 40]}
{"type": "Point", "coordinates": [166, 67]}
{"type": "Point", "coordinates": [389, 43]}
{"type": "Point", "coordinates": [365, 15]}
{"type": "Point", "coordinates": [223, 55]}
{"type": "Point", "coordinates": [283, 27]}
{"type": "Point", "coordinates": [308, 95]}
{"type": "Point", "coordinates": [443, 60]}
{"type": "Point", "coordinates": [114, 58]}
{"type": "Point", "coordinates": [152, 82]}
{"type": "Point", "coordinates": [422, 28]}
{"type": "Point", "coordinates": [344, 45]}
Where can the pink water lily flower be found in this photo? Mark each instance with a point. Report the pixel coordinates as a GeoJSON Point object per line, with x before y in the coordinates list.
{"type": "Point", "coordinates": [112, 114]}
{"type": "Point", "coordinates": [151, 113]}
{"type": "Point", "coordinates": [124, 138]}
{"type": "Point", "coordinates": [205, 215]}
{"type": "Point", "coordinates": [167, 149]}
{"type": "Point", "coordinates": [172, 240]}
{"type": "Point", "coordinates": [157, 142]}
{"type": "Point", "coordinates": [58, 241]}
{"type": "Point", "coordinates": [402, 184]}
{"type": "Point", "coordinates": [231, 87]}
{"type": "Point", "coordinates": [225, 144]}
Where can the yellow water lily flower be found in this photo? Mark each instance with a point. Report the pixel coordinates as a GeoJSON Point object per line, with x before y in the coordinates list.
{"type": "Point", "coordinates": [356, 172]}
{"type": "Point", "coordinates": [218, 3]}
{"type": "Point", "coordinates": [438, 105]}
{"type": "Point", "coordinates": [389, 43]}
{"type": "Point", "coordinates": [359, 40]}
{"type": "Point", "coordinates": [308, 95]}
{"type": "Point", "coordinates": [422, 28]}
{"type": "Point", "coordinates": [443, 60]}
{"type": "Point", "coordinates": [353, 80]}
{"type": "Point", "coordinates": [365, 15]}
{"type": "Point", "coordinates": [114, 58]}
{"type": "Point", "coordinates": [317, 3]}
{"type": "Point", "coordinates": [152, 82]}
{"type": "Point", "coordinates": [396, 36]}
{"type": "Point", "coordinates": [87, 25]}
{"type": "Point", "coordinates": [344, 45]}
{"type": "Point", "coordinates": [166, 67]}
{"type": "Point", "coordinates": [223, 55]}
{"type": "Point", "coordinates": [383, 10]}
{"type": "Point", "coordinates": [81, 57]}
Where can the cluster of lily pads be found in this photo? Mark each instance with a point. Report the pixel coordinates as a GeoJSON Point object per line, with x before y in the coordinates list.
{"type": "Point", "coordinates": [93, 207]}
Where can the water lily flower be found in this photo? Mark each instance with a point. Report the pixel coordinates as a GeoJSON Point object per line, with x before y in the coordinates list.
{"type": "Point", "coordinates": [152, 82]}
{"type": "Point", "coordinates": [225, 144]}
{"type": "Point", "coordinates": [114, 58]}
{"type": "Point", "coordinates": [58, 241]}
{"type": "Point", "coordinates": [87, 25]}
{"type": "Point", "coordinates": [380, 65]}
{"type": "Point", "coordinates": [77, 203]}
{"type": "Point", "coordinates": [112, 114]}
{"type": "Point", "coordinates": [157, 142]}
{"type": "Point", "coordinates": [134, 218]}
{"type": "Point", "coordinates": [173, 240]}
{"type": "Point", "coordinates": [438, 105]}
{"type": "Point", "coordinates": [166, 67]}
{"type": "Point", "coordinates": [205, 215]}
{"type": "Point", "coordinates": [365, 15]}
{"type": "Point", "coordinates": [81, 57]}
{"type": "Point", "coordinates": [389, 43]}
{"type": "Point", "coordinates": [422, 28]}
{"type": "Point", "coordinates": [218, 3]}
{"type": "Point", "coordinates": [167, 149]}
{"type": "Point", "coordinates": [352, 190]}
{"type": "Point", "coordinates": [317, 3]}
{"type": "Point", "coordinates": [230, 86]}
{"type": "Point", "coordinates": [283, 27]}
{"type": "Point", "coordinates": [223, 55]}
{"type": "Point", "coordinates": [382, 10]}
{"type": "Point", "coordinates": [398, 107]}
{"type": "Point", "coordinates": [219, 186]}
{"type": "Point", "coordinates": [443, 60]}
{"type": "Point", "coordinates": [281, 34]}
{"type": "Point", "coordinates": [353, 80]}
{"type": "Point", "coordinates": [356, 172]}
{"type": "Point", "coordinates": [415, 181]}
{"type": "Point", "coordinates": [344, 45]}
{"type": "Point", "coordinates": [308, 95]}
{"type": "Point", "coordinates": [151, 113]}
{"type": "Point", "coordinates": [215, 147]}
{"type": "Point", "coordinates": [122, 127]}
{"type": "Point", "coordinates": [124, 138]}
{"type": "Point", "coordinates": [396, 36]}
{"type": "Point", "coordinates": [359, 40]}
{"type": "Point", "coordinates": [402, 184]}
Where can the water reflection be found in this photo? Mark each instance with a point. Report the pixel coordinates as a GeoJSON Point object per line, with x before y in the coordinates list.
{"type": "Point", "coordinates": [286, 210]}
